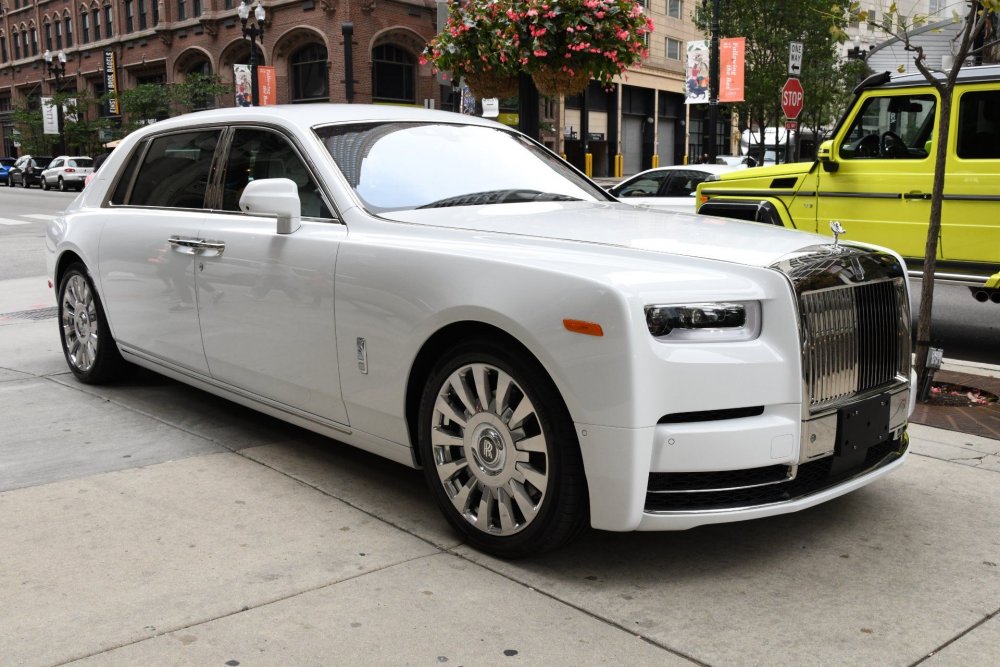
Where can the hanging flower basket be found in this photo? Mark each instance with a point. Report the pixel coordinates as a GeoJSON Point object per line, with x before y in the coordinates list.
{"type": "Point", "coordinates": [485, 84]}
{"type": "Point", "coordinates": [554, 82]}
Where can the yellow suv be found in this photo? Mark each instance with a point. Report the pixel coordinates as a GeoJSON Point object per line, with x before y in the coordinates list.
{"type": "Point", "coordinates": [874, 177]}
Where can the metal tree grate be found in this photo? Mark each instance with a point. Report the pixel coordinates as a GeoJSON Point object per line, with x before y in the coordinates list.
{"type": "Point", "coordinates": [34, 314]}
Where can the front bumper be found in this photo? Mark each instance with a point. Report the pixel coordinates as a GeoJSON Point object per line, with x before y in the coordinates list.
{"type": "Point", "coordinates": [678, 476]}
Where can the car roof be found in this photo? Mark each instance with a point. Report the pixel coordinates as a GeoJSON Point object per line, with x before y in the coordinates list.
{"type": "Point", "coordinates": [322, 113]}
{"type": "Point", "coordinates": [965, 75]}
{"type": "Point", "coordinates": [709, 168]}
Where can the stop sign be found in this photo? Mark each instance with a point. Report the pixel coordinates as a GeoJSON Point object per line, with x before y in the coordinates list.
{"type": "Point", "coordinates": [792, 98]}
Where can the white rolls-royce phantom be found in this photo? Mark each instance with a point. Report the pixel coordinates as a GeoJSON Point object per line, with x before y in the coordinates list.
{"type": "Point", "coordinates": [447, 293]}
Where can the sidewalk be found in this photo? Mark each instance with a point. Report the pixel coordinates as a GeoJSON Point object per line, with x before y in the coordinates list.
{"type": "Point", "coordinates": [149, 523]}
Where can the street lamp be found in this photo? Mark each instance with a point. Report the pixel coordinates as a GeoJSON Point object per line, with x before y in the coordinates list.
{"type": "Point", "coordinates": [57, 69]}
{"type": "Point", "coordinates": [253, 32]}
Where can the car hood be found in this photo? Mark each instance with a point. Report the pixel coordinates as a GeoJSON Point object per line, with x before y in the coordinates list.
{"type": "Point", "coordinates": [771, 171]}
{"type": "Point", "coordinates": [621, 225]}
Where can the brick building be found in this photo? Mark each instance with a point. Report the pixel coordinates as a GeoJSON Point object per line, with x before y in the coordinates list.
{"type": "Point", "coordinates": [160, 42]}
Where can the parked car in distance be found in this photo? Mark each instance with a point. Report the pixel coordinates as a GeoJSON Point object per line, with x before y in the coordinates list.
{"type": "Point", "coordinates": [67, 172]}
{"type": "Point", "coordinates": [670, 188]}
{"type": "Point", "coordinates": [5, 164]}
{"type": "Point", "coordinates": [27, 170]}
{"type": "Point", "coordinates": [550, 357]}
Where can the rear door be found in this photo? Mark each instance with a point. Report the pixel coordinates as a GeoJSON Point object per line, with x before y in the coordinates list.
{"type": "Point", "coordinates": [149, 245]}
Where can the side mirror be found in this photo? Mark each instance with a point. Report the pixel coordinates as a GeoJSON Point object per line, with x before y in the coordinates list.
{"type": "Point", "coordinates": [274, 196]}
{"type": "Point", "coordinates": [825, 156]}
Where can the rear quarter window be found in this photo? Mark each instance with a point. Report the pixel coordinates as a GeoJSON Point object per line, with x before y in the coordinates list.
{"type": "Point", "coordinates": [175, 170]}
{"type": "Point", "coordinates": [979, 125]}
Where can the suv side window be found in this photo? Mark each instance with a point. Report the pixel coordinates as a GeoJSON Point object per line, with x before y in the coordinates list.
{"type": "Point", "coordinates": [979, 125]}
{"type": "Point", "coordinates": [895, 127]}
{"type": "Point", "coordinates": [175, 171]}
{"type": "Point", "coordinates": [255, 154]}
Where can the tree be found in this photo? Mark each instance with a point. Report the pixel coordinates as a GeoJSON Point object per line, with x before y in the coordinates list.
{"type": "Point", "coordinates": [969, 42]}
{"type": "Point", "coordinates": [144, 104]}
{"type": "Point", "coordinates": [199, 91]}
{"type": "Point", "coordinates": [27, 117]}
{"type": "Point", "coordinates": [769, 28]}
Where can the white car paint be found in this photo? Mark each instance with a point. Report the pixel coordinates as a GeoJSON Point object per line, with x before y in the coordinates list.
{"type": "Point", "coordinates": [395, 278]}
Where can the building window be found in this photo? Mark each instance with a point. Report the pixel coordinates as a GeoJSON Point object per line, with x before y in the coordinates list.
{"type": "Point", "coordinates": [17, 46]}
{"type": "Point", "coordinates": [674, 49]}
{"type": "Point", "coordinates": [84, 27]}
{"type": "Point", "coordinates": [310, 80]}
{"type": "Point", "coordinates": [97, 24]}
{"type": "Point", "coordinates": [935, 6]}
{"type": "Point", "coordinates": [58, 34]}
{"type": "Point", "coordinates": [129, 18]}
{"type": "Point", "coordinates": [195, 7]}
{"type": "Point", "coordinates": [156, 12]}
{"type": "Point", "coordinates": [48, 36]}
{"type": "Point", "coordinates": [3, 48]}
{"type": "Point", "coordinates": [69, 31]}
{"type": "Point", "coordinates": [872, 20]}
{"type": "Point", "coordinates": [34, 42]}
{"type": "Point", "coordinates": [109, 21]}
{"type": "Point", "coordinates": [142, 14]}
{"type": "Point", "coordinates": [181, 10]}
{"type": "Point", "coordinates": [394, 74]}
{"type": "Point", "coordinates": [674, 8]}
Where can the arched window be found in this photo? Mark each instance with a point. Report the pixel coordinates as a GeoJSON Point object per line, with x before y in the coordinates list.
{"type": "Point", "coordinates": [394, 74]}
{"type": "Point", "coordinates": [310, 80]}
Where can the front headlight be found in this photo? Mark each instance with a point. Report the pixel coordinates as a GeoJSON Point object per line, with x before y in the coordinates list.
{"type": "Point", "coordinates": [704, 322]}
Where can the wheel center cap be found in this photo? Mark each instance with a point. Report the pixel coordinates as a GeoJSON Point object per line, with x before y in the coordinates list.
{"type": "Point", "coordinates": [489, 450]}
{"type": "Point", "coordinates": [82, 324]}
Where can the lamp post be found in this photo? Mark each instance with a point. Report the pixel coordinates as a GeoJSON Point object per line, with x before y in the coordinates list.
{"type": "Point", "coordinates": [254, 31]}
{"type": "Point", "coordinates": [57, 69]}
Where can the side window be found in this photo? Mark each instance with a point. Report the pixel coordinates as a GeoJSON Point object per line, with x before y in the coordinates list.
{"type": "Point", "coordinates": [646, 186]}
{"type": "Point", "coordinates": [979, 125]}
{"type": "Point", "coordinates": [55, 163]}
{"type": "Point", "coordinates": [895, 127]}
{"type": "Point", "coordinates": [684, 183]}
{"type": "Point", "coordinates": [125, 177]}
{"type": "Point", "coordinates": [175, 171]}
{"type": "Point", "coordinates": [258, 154]}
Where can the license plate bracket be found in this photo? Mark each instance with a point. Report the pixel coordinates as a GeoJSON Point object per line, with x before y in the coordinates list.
{"type": "Point", "coordinates": [860, 426]}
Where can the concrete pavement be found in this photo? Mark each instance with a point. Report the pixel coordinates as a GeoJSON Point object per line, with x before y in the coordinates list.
{"type": "Point", "coordinates": [152, 523]}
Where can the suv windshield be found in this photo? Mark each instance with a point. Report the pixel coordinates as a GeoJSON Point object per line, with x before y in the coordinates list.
{"type": "Point", "coordinates": [394, 166]}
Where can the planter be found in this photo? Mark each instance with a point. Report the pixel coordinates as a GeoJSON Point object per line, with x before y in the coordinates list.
{"type": "Point", "coordinates": [491, 84]}
{"type": "Point", "coordinates": [555, 82]}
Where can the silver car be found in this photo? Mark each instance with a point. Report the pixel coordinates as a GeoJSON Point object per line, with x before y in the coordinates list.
{"type": "Point", "coordinates": [66, 172]}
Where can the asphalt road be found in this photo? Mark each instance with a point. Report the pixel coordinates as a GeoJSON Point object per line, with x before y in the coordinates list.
{"type": "Point", "coordinates": [966, 329]}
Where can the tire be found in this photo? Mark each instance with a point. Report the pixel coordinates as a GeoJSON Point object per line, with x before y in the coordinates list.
{"type": "Point", "coordinates": [62, 184]}
{"type": "Point", "coordinates": [510, 492]}
{"type": "Point", "coordinates": [90, 350]}
{"type": "Point", "coordinates": [45, 184]}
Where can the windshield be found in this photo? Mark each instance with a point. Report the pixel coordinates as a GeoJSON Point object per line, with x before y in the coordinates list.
{"type": "Point", "coordinates": [394, 166]}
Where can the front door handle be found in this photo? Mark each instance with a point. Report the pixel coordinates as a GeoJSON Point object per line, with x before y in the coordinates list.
{"type": "Point", "coordinates": [197, 245]}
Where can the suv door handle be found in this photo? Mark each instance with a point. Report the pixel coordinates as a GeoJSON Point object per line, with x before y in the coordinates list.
{"type": "Point", "coordinates": [916, 194]}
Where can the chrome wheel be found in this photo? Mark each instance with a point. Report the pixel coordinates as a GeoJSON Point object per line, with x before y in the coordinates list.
{"type": "Point", "coordinates": [79, 321]}
{"type": "Point", "coordinates": [489, 450]}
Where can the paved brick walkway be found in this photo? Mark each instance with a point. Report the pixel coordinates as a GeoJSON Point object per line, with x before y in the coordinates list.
{"type": "Point", "coordinates": [983, 420]}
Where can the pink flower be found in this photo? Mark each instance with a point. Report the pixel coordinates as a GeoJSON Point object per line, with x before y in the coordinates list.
{"type": "Point", "coordinates": [540, 53]}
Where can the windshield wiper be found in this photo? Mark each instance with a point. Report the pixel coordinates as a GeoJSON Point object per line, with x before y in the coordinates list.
{"type": "Point", "coordinates": [512, 195]}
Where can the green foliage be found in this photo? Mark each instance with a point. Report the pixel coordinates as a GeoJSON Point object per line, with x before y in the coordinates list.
{"type": "Point", "coordinates": [769, 28]}
{"type": "Point", "coordinates": [199, 91]}
{"type": "Point", "coordinates": [144, 104]}
{"type": "Point", "coordinates": [27, 118]}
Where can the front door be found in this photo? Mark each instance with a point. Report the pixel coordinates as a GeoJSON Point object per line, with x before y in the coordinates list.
{"type": "Point", "coordinates": [880, 191]}
{"type": "Point", "coordinates": [266, 299]}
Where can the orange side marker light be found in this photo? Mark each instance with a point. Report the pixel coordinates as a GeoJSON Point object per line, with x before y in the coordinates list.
{"type": "Point", "coordinates": [585, 328]}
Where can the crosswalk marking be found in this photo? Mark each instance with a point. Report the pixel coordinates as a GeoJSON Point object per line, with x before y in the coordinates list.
{"type": "Point", "coordinates": [39, 216]}
{"type": "Point", "coordinates": [9, 222]}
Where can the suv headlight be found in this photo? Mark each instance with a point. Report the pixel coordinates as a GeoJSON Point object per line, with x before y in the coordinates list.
{"type": "Point", "coordinates": [704, 322]}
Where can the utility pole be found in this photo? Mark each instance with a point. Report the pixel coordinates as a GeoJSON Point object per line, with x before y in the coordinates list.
{"type": "Point", "coordinates": [713, 86]}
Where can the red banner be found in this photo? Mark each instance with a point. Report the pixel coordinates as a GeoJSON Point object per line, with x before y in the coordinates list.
{"type": "Point", "coordinates": [267, 85]}
{"type": "Point", "coordinates": [731, 53]}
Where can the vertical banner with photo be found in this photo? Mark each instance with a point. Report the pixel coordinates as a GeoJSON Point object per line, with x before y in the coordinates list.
{"type": "Point", "coordinates": [111, 82]}
{"type": "Point", "coordinates": [267, 85]}
{"type": "Point", "coordinates": [731, 59]}
{"type": "Point", "coordinates": [696, 88]}
{"type": "Point", "coordinates": [244, 91]}
{"type": "Point", "coordinates": [50, 119]}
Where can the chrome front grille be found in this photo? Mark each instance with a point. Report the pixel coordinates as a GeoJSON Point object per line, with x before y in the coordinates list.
{"type": "Point", "coordinates": [854, 322]}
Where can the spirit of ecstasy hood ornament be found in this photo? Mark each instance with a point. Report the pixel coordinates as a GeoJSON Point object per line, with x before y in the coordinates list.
{"type": "Point", "coordinates": [837, 230]}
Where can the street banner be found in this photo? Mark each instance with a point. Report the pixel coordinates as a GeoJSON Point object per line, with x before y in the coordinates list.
{"type": "Point", "coordinates": [267, 85]}
{"type": "Point", "coordinates": [731, 60]}
{"type": "Point", "coordinates": [696, 88]}
{"type": "Point", "coordinates": [111, 82]}
{"type": "Point", "coordinates": [50, 118]}
{"type": "Point", "coordinates": [244, 91]}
